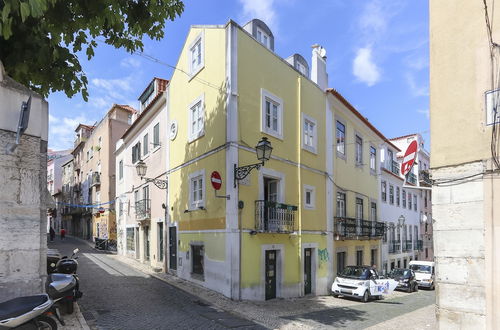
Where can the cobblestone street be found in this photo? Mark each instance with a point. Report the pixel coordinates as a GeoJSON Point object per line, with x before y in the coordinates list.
{"type": "Point", "coordinates": [120, 293]}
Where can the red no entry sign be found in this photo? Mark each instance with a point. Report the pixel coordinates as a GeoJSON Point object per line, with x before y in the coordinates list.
{"type": "Point", "coordinates": [216, 180]}
{"type": "Point", "coordinates": [409, 158]}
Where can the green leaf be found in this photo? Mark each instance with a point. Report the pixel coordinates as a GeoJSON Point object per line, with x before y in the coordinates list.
{"type": "Point", "coordinates": [6, 11]}
{"type": "Point", "coordinates": [7, 29]}
{"type": "Point", "coordinates": [36, 7]}
{"type": "Point", "coordinates": [25, 11]}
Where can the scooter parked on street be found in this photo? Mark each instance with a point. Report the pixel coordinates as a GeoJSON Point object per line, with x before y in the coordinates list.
{"type": "Point", "coordinates": [30, 312]}
{"type": "Point", "coordinates": [63, 285]}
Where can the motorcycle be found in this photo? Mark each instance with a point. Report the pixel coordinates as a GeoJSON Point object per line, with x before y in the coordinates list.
{"type": "Point", "coordinates": [30, 312]}
{"type": "Point", "coordinates": [63, 285]}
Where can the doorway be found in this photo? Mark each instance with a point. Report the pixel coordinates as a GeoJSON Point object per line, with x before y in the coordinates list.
{"type": "Point", "coordinates": [172, 247]}
{"type": "Point", "coordinates": [271, 187]}
{"type": "Point", "coordinates": [146, 243]}
{"type": "Point", "coordinates": [307, 271]}
{"type": "Point", "coordinates": [270, 277]}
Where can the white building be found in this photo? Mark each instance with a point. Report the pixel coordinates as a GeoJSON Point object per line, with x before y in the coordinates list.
{"type": "Point", "coordinates": [421, 171]}
{"type": "Point", "coordinates": [399, 206]}
{"type": "Point", "coordinates": [56, 159]}
{"type": "Point", "coordinates": [140, 204]}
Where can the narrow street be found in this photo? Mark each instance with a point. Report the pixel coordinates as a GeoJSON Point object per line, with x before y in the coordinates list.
{"type": "Point", "coordinates": [115, 296]}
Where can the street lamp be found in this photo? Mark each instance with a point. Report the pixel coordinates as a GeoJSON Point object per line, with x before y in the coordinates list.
{"type": "Point", "coordinates": [142, 168]}
{"type": "Point", "coordinates": [263, 149]}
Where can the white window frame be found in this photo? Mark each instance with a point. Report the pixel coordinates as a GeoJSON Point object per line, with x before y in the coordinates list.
{"type": "Point", "coordinates": [156, 144]}
{"type": "Point", "coordinates": [265, 95]}
{"type": "Point", "coordinates": [359, 162]}
{"type": "Point", "coordinates": [193, 71]}
{"type": "Point", "coordinates": [301, 68]}
{"type": "Point", "coordinates": [312, 148]}
{"type": "Point", "coordinates": [312, 191]}
{"type": "Point", "coordinates": [338, 213]}
{"type": "Point", "coordinates": [196, 135]}
{"type": "Point", "coordinates": [373, 167]}
{"type": "Point", "coordinates": [341, 154]}
{"type": "Point", "coordinates": [261, 40]}
{"type": "Point", "coordinates": [194, 205]}
{"type": "Point", "coordinates": [145, 145]}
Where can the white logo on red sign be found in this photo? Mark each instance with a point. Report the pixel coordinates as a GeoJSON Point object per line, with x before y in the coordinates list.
{"type": "Point", "coordinates": [216, 180]}
{"type": "Point", "coordinates": [409, 158]}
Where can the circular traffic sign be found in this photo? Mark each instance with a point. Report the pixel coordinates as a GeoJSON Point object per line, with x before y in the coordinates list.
{"type": "Point", "coordinates": [101, 210]}
{"type": "Point", "coordinates": [409, 158]}
{"type": "Point", "coordinates": [216, 180]}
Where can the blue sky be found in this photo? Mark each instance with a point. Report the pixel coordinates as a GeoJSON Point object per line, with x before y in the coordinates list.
{"type": "Point", "coordinates": [378, 55]}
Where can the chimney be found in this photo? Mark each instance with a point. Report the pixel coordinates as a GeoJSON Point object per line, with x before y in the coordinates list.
{"type": "Point", "coordinates": [318, 71]}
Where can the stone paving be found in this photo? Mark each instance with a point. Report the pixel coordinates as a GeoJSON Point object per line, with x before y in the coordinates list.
{"type": "Point", "coordinates": [168, 307]}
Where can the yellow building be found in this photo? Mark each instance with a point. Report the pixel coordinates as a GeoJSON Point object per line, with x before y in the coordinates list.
{"type": "Point", "coordinates": [264, 236]}
{"type": "Point", "coordinates": [357, 229]}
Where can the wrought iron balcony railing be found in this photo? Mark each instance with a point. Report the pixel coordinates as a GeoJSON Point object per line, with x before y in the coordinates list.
{"type": "Point", "coordinates": [407, 245]}
{"type": "Point", "coordinates": [351, 228]}
{"type": "Point", "coordinates": [96, 179]}
{"type": "Point", "coordinates": [420, 245]}
{"type": "Point", "coordinates": [395, 247]}
{"type": "Point", "coordinates": [273, 217]}
{"type": "Point", "coordinates": [395, 167]}
{"type": "Point", "coordinates": [79, 140]}
{"type": "Point", "coordinates": [412, 178]}
{"type": "Point", "coordinates": [424, 177]}
{"type": "Point", "coordinates": [143, 209]}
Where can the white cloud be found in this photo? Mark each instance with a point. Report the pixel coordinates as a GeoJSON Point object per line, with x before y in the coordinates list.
{"type": "Point", "coordinates": [261, 9]}
{"type": "Point", "coordinates": [424, 112]}
{"type": "Point", "coordinates": [62, 131]}
{"type": "Point", "coordinates": [414, 88]}
{"type": "Point", "coordinates": [373, 20]}
{"type": "Point", "coordinates": [364, 68]}
{"type": "Point", "coordinates": [130, 62]}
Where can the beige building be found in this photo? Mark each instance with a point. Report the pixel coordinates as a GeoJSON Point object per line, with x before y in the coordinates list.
{"type": "Point", "coordinates": [464, 76]}
{"type": "Point", "coordinates": [94, 166]}
{"type": "Point", "coordinates": [140, 202]}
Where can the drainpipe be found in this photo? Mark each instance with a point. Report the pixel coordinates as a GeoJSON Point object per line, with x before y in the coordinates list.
{"type": "Point", "coordinates": [299, 154]}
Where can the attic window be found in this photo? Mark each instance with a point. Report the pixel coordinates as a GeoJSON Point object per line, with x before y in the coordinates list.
{"type": "Point", "coordinates": [263, 38]}
{"type": "Point", "coordinates": [301, 67]}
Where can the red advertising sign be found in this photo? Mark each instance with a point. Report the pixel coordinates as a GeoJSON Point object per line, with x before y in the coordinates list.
{"type": "Point", "coordinates": [409, 158]}
{"type": "Point", "coordinates": [216, 180]}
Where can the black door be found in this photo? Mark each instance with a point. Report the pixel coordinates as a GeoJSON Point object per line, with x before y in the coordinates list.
{"type": "Point", "coordinates": [270, 274]}
{"type": "Point", "coordinates": [172, 247]}
{"type": "Point", "coordinates": [307, 271]}
{"type": "Point", "coordinates": [146, 243]}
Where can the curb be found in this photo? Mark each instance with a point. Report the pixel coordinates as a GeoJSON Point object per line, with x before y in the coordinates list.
{"type": "Point", "coordinates": [80, 318]}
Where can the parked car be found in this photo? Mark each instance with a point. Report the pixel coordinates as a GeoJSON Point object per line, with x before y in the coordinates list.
{"type": "Point", "coordinates": [361, 282]}
{"type": "Point", "coordinates": [406, 279]}
{"type": "Point", "coordinates": [424, 273]}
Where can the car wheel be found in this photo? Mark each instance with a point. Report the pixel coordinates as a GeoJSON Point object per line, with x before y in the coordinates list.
{"type": "Point", "coordinates": [432, 287]}
{"type": "Point", "coordinates": [335, 295]}
{"type": "Point", "coordinates": [415, 288]}
{"type": "Point", "coordinates": [366, 296]}
{"type": "Point", "coordinates": [409, 289]}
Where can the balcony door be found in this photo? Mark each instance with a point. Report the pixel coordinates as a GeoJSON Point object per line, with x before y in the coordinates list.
{"type": "Point", "coordinates": [271, 216]}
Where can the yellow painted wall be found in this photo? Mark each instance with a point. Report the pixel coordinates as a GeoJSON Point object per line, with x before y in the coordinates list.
{"type": "Point", "coordinates": [214, 244]}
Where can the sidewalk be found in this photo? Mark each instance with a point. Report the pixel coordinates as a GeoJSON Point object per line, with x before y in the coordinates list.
{"type": "Point", "coordinates": [74, 321]}
{"type": "Point", "coordinates": [276, 314]}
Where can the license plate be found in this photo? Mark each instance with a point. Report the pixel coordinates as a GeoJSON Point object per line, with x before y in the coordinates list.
{"type": "Point", "coordinates": [346, 291]}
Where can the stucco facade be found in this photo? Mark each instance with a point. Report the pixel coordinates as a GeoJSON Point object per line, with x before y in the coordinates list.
{"type": "Point", "coordinates": [465, 204]}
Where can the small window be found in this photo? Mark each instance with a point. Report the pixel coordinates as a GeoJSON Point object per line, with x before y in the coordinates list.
{"type": "Point", "coordinates": [384, 191]}
{"type": "Point", "coordinates": [136, 152]}
{"type": "Point", "coordinates": [340, 138]}
{"type": "Point", "coordinates": [404, 198]}
{"type": "Point", "coordinates": [373, 158]}
{"type": "Point", "coordinates": [196, 120]}
{"type": "Point", "coordinates": [263, 38]}
{"type": "Point", "coordinates": [414, 202]}
{"type": "Point", "coordinates": [129, 119]}
{"type": "Point", "coordinates": [197, 252]}
{"type": "Point", "coordinates": [145, 144]}
{"type": "Point", "coordinates": [391, 194]}
{"type": "Point", "coordinates": [397, 196]}
{"type": "Point", "coordinates": [196, 56]}
{"type": "Point", "coordinates": [156, 135]}
{"type": "Point", "coordinates": [120, 169]}
{"type": "Point", "coordinates": [197, 190]}
{"type": "Point", "coordinates": [309, 133]}
{"type": "Point", "coordinates": [409, 201]}
{"type": "Point", "coordinates": [359, 150]}
{"type": "Point", "coordinates": [130, 239]}
{"type": "Point", "coordinates": [359, 258]}
{"type": "Point", "coordinates": [309, 197]}
{"type": "Point", "coordinates": [272, 109]}
{"type": "Point", "coordinates": [341, 211]}
{"type": "Point", "coordinates": [373, 211]}
{"type": "Point", "coordinates": [301, 67]}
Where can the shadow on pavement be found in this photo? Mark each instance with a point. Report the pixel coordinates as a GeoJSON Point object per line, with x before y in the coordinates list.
{"type": "Point", "coordinates": [336, 317]}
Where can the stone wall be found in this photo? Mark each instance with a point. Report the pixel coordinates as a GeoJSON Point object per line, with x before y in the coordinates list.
{"type": "Point", "coordinates": [23, 241]}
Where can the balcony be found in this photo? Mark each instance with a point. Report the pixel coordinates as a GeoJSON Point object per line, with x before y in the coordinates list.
{"type": "Point", "coordinates": [407, 245]}
{"type": "Point", "coordinates": [79, 140]}
{"type": "Point", "coordinates": [351, 228]}
{"type": "Point", "coordinates": [96, 179]}
{"type": "Point", "coordinates": [412, 178]}
{"type": "Point", "coordinates": [420, 245]}
{"type": "Point", "coordinates": [143, 210]}
{"type": "Point", "coordinates": [425, 177]}
{"type": "Point", "coordinates": [273, 217]}
{"type": "Point", "coordinates": [394, 247]}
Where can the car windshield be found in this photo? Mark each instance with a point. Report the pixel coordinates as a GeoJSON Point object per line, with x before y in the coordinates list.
{"type": "Point", "coordinates": [421, 268]}
{"type": "Point", "coordinates": [400, 273]}
{"type": "Point", "coordinates": [358, 273]}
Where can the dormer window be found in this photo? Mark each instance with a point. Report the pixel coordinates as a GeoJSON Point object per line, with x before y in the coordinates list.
{"type": "Point", "coordinates": [196, 61]}
{"type": "Point", "coordinates": [302, 69]}
{"type": "Point", "coordinates": [263, 38]}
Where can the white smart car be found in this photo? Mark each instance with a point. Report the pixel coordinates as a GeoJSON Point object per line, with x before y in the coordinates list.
{"type": "Point", "coordinates": [362, 282]}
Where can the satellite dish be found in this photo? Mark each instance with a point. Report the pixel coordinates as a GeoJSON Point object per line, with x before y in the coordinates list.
{"type": "Point", "coordinates": [24, 118]}
{"type": "Point", "coordinates": [322, 52]}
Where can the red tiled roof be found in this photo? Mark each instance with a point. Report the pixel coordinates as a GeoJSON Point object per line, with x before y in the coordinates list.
{"type": "Point", "coordinates": [360, 116]}
{"type": "Point", "coordinates": [146, 109]}
{"type": "Point", "coordinates": [402, 137]}
{"type": "Point", "coordinates": [126, 107]}
{"type": "Point", "coordinates": [90, 127]}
